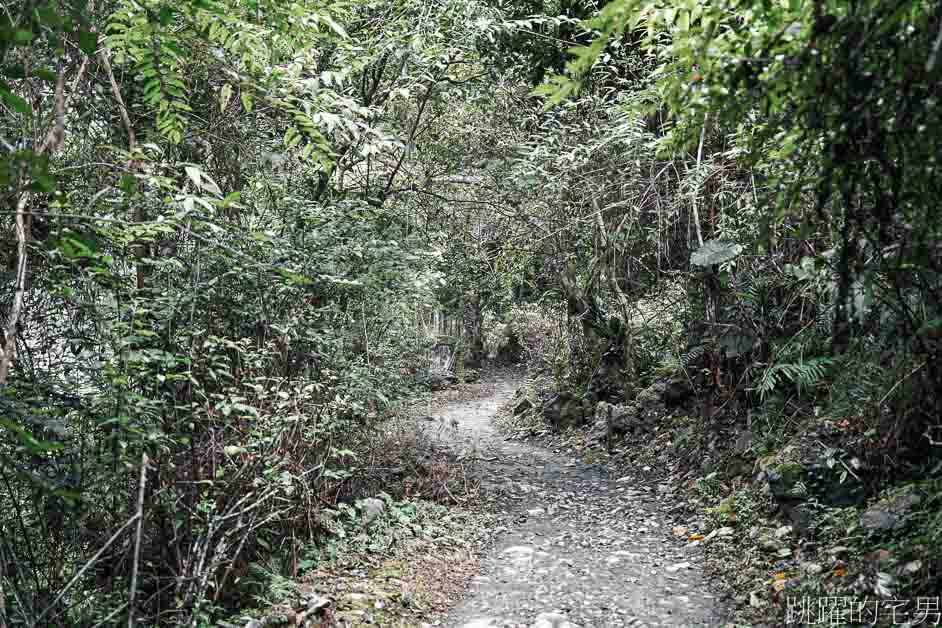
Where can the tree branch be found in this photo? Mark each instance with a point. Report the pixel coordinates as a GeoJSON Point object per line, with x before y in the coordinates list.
{"type": "Point", "coordinates": [85, 567]}
{"type": "Point", "coordinates": [696, 191]}
{"type": "Point", "coordinates": [137, 541]}
{"type": "Point", "coordinates": [415, 126]}
{"type": "Point", "coordinates": [9, 345]}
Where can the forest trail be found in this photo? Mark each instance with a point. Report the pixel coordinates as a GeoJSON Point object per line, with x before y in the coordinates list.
{"type": "Point", "coordinates": [580, 549]}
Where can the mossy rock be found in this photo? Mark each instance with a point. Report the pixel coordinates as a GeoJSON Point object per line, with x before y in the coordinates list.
{"type": "Point", "coordinates": [784, 478]}
{"type": "Point", "coordinates": [726, 509]}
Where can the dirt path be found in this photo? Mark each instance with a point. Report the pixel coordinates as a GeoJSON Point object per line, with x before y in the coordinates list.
{"type": "Point", "coordinates": [579, 548]}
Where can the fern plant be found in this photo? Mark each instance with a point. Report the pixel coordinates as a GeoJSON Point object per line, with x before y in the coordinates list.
{"type": "Point", "coordinates": [804, 374]}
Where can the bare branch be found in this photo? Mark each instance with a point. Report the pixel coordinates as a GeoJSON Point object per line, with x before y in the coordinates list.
{"type": "Point", "coordinates": [934, 55]}
{"type": "Point", "coordinates": [9, 345]}
{"type": "Point", "coordinates": [86, 566]}
{"type": "Point", "coordinates": [412, 134]}
{"type": "Point", "coordinates": [696, 190]}
{"type": "Point", "coordinates": [137, 540]}
{"type": "Point", "coordinates": [52, 143]}
{"type": "Point", "coordinates": [116, 92]}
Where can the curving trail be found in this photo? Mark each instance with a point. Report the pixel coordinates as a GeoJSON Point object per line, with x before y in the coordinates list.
{"type": "Point", "coordinates": [579, 549]}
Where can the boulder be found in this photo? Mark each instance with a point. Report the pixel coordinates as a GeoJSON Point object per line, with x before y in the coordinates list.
{"type": "Point", "coordinates": [677, 391]}
{"type": "Point", "coordinates": [743, 443]}
{"type": "Point", "coordinates": [370, 509]}
{"type": "Point", "coordinates": [802, 517]}
{"type": "Point", "coordinates": [891, 513]}
{"type": "Point", "coordinates": [440, 381]}
{"type": "Point", "coordinates": [619, 419]}
{"type": "Point", "coordinates": [786, 484]}
{"type": "Point", "coordinates": [828, 485]}
{"type": "Point", "coordinates": [598, 433]}
{"type": "Point", "coordinates": [612, 420]}
{"type": "Point", "coordinates": [650, 406]}
{"type": "Point", "coordinates": [565, 410]}
{"type": "Point", "coordinates": [796, 481]}
{"type": "Point", "coordinates": [878, 520]}
{"type": "Point", "coordinates": [653, 395]}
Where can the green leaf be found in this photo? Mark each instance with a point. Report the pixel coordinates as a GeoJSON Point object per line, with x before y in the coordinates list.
{"type": "Point", "coordinates": [337, 28]}
{"type": "Point", "coordinates": [13, 101]}
{"type": "Point", "coordinates": [715, 252]}
{"type": "Point", "coordinates": [44, 182]}
{"type": "Point", "coordinates": [88, 42]}
{"type": "Point", "coordinates": [166, 15]}
{"type": "Point", "coordinates": [127, 183]}
{"type": "Point", "coordinates": [21, 36]}
{"type": "Point", "coordinates": [16, 71]}
{"type": "Point", "coordinates": [246, 99]}
{"type": "Point", "coordinates": [212, 7]}
{"type": "Point", "coordinates": [48, 16]}
{"type": "Point", "coordinates": [225, 95]}
{"type": "Point", "coordinates": [45, 74]}
{"type": "Point", "coordinates": [195, 175]}
{"type": "Point", "coordinates": [295, 278]}
{"type": "Point", "coordinates": [27, 439]}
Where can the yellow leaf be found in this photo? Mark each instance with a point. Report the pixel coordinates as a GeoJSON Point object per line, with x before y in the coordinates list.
{"type": "Point", "coordinates": [224, 95]}
{"type": "Point", "coordinates": [695, 537]}
{"type": "Point", "coordinates": [779, 576]}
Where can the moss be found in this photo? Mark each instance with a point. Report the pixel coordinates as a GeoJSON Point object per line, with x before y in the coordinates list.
{"type": "Point", "coordinates": [740, 508]}
{"type": "Point", "coordinates": [791, 472]}
{"type": "Point", "coordinates": [788, 457]}
{"type": "Point", "coordinates": [790, 467]}
{"type": "Point", "coordinates": [726, 509]}
{"type": "Point", "coordinates": [766, 461]}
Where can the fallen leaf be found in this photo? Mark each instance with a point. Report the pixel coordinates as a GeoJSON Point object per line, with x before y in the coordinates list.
{"type": "Point", "coordinates": [779, 576]}
{"type": "Point", "coordinates": [879, 556]}
{"type": "Point", "coordinates": [695, 537]}
{"type": "Point", "coordinates": [912, 566]}
{"type": "Point", "coordinates": [840, 572]}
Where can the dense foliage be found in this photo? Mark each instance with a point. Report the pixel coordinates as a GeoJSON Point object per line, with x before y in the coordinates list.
{"type": "Point", "coordinates": [220, 276]}
{"type": "Point", "coordinates": [232, 230]}
{"type": "Point", "coordinates": [815, 133]}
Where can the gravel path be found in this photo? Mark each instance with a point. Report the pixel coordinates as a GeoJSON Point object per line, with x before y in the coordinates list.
{"type": "Point", "coordinates": [579, 549]}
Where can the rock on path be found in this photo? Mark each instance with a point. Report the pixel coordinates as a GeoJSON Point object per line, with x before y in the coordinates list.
{"type": "Point", "coordinates": [579, 549]}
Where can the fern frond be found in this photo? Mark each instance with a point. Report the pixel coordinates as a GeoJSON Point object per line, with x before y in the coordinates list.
{"type": "Point", "coordinates": [689, 358]}
{"type": "Point", "coordinates": [804, 375]}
